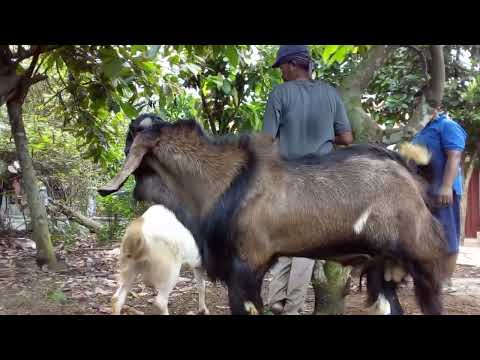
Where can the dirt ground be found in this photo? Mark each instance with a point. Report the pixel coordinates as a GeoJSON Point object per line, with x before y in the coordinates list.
{"type": "Point", "coordinates": [90, 280]}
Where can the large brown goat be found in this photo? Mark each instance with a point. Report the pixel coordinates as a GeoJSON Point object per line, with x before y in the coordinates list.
{"type": "Point", "coordinates": [252, 206]}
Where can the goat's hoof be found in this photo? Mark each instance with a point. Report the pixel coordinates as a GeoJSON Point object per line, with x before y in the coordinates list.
{"type": "Point", "coordinates": [115, 308]}
{"type": "Point", "coordinates": [250, 308]}
{"type": "Point", "coordinates": [203, 312]}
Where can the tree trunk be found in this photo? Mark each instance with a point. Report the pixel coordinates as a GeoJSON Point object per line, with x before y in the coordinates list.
{"type": "Point", "coordinates": [330, 279]}
{"type": "Point", "coordinates": [365, 129]}
{"type": "Point", "coordinates": [79, 218]}
{"type": "Point", "coordinates": [329, 283]}
{"type": "Point", "coordinates": [433, 92]}
{"type": "Point", "coordinates": [470, 166]}
{"type": "Point", "coordinates": [38, 215]}
{"type": "Point", "coordinates": [436, 86]}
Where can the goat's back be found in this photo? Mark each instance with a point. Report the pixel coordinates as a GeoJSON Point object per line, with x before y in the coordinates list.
{"type": "Point", "coordinates": [163, 232]}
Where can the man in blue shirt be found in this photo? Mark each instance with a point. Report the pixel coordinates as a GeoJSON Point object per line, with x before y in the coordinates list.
{"type": "Point", "coordinates": [445, 139]}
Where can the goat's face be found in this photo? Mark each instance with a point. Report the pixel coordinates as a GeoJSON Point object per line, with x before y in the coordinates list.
{"type": "Point", "coordinates": [153, 152]}
{"type": "Point", "coordinates": [142, 122]}
{"type": "Point", "coordinates": [149, 186]}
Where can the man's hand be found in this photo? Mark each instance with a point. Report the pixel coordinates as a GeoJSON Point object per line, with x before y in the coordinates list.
{"type": "Point", "coordinates": [345, 138]}
{"type": "Point", "coordinates": [445, 196]}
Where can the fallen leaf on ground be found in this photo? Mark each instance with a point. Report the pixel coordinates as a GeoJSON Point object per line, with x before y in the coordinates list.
{"type": "Point", "coordinates": [100, 291]}
{"type": "Point", "coordinates": [104, 309]}
{"type": "Point", "coordinates": [133, 310]}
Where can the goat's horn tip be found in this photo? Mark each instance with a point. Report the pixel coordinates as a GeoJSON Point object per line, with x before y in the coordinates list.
{"type": "Point", "coordinates": [106, 190]}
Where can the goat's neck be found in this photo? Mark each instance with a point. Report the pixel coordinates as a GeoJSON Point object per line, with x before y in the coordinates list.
{"type": "Point", "coordinates": [204, 171]}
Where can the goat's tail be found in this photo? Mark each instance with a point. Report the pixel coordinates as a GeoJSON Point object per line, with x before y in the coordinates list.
{"type": "Point", "coordinates": [418, 159]}
{"type": "Point", "coordinates": [418, 153]}
{"type": "Point", "coordinates": [133, 242]}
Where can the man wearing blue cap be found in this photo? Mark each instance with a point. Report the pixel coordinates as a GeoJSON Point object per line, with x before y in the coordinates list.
{"type": "Point", "coordinates": [308, 117]}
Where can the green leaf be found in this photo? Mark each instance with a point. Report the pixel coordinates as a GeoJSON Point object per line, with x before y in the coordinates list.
{"type": "Point", "coordinates": [50, 61]}
{"type": "Point", "coordinates": [232, 55]}
{"type": "Point", "coordinates": [226, 86]}
{"type": "Point", "coordinates": [235, 96]}
{"type": "Point", "coordinates": [129, 110]}
{"type": "Point", "coordinates": [329, 51]}
{"type": "Point", "coordinates": [340, 54]}
{"type": "Point", "coordinates": [216, 49]}
{"type": "Point", "coordinates": [174, 59]}
{"type": "Point", "coordinates": [20, 70]}
{"type": "Point", "coordinates": [113, 68]}
{"type": "Point", "coordinates": [149, 67]}
{"type": "Point", "coordinates": [136, 48]}
{"type": "Point", "coordinates": [194, 69]}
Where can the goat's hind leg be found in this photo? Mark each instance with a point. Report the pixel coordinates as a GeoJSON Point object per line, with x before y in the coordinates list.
{"type": "Point", "coordinates": [127, 276]}
{"type": "Point", "coordinates": [164, 283]}
{"type": "Point", "coordinates": [382, 294]}
{"type": "Point", "coordinates": [200, 279]}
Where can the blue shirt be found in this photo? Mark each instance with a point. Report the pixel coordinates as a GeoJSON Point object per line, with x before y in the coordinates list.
{"type": "Point", "coordinates": [438, 136]}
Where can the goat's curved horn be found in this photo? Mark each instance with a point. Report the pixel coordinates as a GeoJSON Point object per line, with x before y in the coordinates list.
{"type": "Point", "coordinates": [134, 158]}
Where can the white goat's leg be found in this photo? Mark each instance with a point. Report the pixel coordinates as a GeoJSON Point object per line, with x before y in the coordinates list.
{"type": "Point", "coordinates": [126, 281]}
{"type": "Point", "coordinates": [200, 279]}
{"type": "Point", "coordinates": [165, 286]}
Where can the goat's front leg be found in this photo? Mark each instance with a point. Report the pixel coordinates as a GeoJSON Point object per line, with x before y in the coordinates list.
{"type": "Point", "coordinates": [126, 281]}
{"type": "Point", "coordinates": [200, 279]}
{"type": "Point", "coordinates": [244, 293]}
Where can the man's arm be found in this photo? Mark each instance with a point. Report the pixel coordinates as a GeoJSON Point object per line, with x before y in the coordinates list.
{"type": "Point", "coordinates": [445, 195]}
{"type": "Point", "coordinates": [272, 116]}
{"type": "Point", "coordinates": [453, 139]}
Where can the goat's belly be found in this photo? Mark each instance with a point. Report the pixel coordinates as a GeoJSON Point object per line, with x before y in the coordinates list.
{"type": "Point", "coordinates": [348, 252]}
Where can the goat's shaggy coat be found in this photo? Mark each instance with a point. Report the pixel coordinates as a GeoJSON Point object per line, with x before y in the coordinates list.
{"type": "Point", "coordinates": [249, 206]}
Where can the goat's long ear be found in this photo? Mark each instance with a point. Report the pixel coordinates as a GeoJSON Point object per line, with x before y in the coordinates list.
{"type": "Point", "coordinates": [137, 152]}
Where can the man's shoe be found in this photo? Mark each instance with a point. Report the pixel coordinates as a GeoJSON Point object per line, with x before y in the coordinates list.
{"type": "Point", "coordinates": [277, 308]}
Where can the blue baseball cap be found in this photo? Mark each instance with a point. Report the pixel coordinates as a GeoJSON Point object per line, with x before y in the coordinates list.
{"type": "Point", "coordinates": [285, 52]}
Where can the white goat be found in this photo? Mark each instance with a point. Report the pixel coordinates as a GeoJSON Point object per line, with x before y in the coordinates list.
{"type": "Point", "coordinates": [156, 245]}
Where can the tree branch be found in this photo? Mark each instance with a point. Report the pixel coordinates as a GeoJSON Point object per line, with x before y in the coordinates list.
{"type": "Point", "coordinates": [29, 72]}
{"type": "Point", "coordinates": [23, 54]}
{"type": "Point", "coordinates": [205, 106]}
{"type": "Point", "coordinates": [424, 58]}
{"type": "Point", "coordinates": [363, 73]}
{"type": "Point", "coordinates": [39, 66]}
{"type": "Point", "coordinates": [437, 82]}
{"type": "Point", "coordinates": [57, 94]}
{"type": "Point", "coordinates": [37, 78]}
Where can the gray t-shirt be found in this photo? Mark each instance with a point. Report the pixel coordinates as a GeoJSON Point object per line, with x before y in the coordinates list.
{"type": "Point", "coordinates": [305, 115]}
